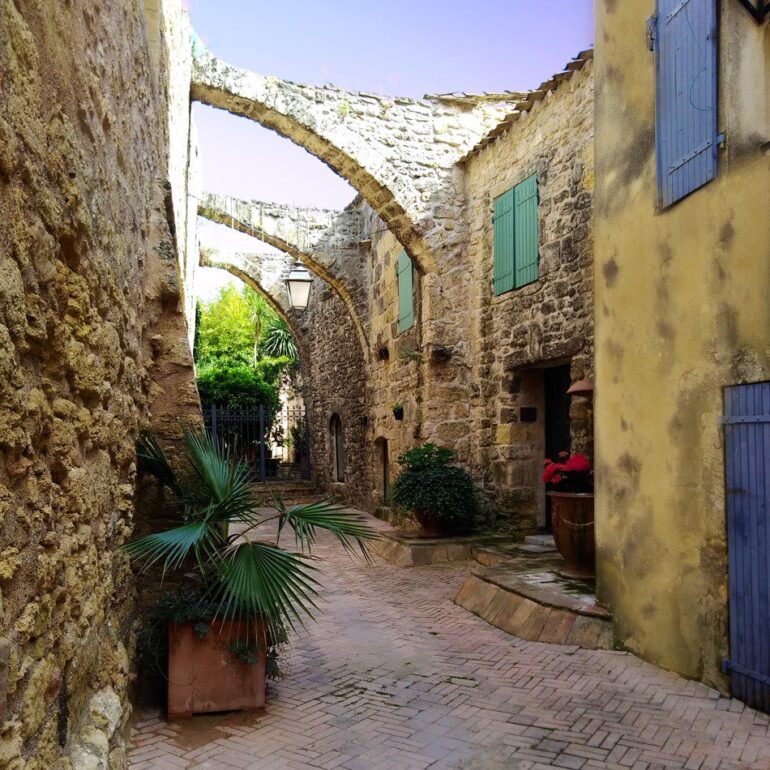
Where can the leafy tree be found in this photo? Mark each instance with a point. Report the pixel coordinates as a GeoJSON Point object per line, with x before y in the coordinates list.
{"type": "Point", "coordinates": [262, 316]}
{"type": "Point", "coordinates": [236, 386]}
{"type": "Point", "coordinates": [226, 335]}
{"type": "Point", "coordinates": [279, 341]}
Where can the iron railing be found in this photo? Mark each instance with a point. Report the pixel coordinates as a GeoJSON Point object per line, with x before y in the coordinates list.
{"type": "Point", "coordinates": [275, 444]}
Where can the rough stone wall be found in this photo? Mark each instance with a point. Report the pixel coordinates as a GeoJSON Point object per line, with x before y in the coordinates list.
{"type": "Point", "coordinates": [396, 369]}
{"type": "Point", "coordinates": [92, 341]}
{"type": "Point", "coordinates": [334, 381]}
{"type": "Point", "coordinates": [467, 394]}
{"type": "Point", "coordinates": [511, 337]}
{"type": "Point", "coordinates": [681, 312]}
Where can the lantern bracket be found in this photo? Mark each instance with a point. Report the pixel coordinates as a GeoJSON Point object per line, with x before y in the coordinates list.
{"type": "Point", "coordinates": [759, 9]}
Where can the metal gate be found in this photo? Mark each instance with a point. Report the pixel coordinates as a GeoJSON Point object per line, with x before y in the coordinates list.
{"type": "Point", "coordinates": [747, 476]}
{"type": "Point", "coordinates": [275, 444]}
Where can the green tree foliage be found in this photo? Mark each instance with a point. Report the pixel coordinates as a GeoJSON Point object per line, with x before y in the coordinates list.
{"type": "Point", "coordinates": [236, 386]}
{"type": "Point", "coordinates": [239, 354]}
{"type": "Point", "coordinates": [278, 341]}
{"type": "Point", "coordinates": [226, 335]}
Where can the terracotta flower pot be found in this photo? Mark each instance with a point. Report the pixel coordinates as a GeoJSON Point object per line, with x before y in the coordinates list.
{"type": "Point", "coordinates": [572, 517]}
{"type": "Point", "coordinates": [204, 675]}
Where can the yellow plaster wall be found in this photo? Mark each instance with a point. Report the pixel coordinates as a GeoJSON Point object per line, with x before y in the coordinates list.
{"type": "Point", "coordinates": [681, 311]}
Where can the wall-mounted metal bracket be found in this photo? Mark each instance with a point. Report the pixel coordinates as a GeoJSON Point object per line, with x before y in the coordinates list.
{"type": "Point", "coordinates": [759, 9]}
{"type": "Point", "coordinates": [652, 32]}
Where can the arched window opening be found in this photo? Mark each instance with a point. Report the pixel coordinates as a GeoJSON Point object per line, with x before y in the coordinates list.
{"type": "Point", "coordinates": [338, 447]}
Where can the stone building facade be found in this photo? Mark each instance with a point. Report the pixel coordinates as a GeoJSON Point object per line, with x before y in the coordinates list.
{"type": "Point", "coordinates": [93, 346]}
{"type": "Point", "coordinates": [524, 340]}
{"type": "Point", "coordinates": [472, 363]}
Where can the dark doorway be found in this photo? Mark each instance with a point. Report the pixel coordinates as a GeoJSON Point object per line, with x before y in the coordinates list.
{"type": "Point", "coordinates": [338, 447]}
{"type": "Point", "coordinates": [385, 479]}
{"type": "Point", "coordinates": [556, 382]}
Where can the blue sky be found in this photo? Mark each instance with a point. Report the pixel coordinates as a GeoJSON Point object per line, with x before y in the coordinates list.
{"type": "Point", "coordinates": [396, 47]}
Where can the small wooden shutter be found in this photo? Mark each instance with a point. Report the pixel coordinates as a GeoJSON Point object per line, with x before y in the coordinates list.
{"type": "Point", "coordinates": [686, 107]}
{"type": "Point", "coordinates": [502, 274]}
{"type": "Point", "coordinates": [525, 230]}
{"type": "Point", "coordinates": [405, 292]}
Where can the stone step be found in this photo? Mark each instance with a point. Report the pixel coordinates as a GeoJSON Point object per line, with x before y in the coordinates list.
{"type": "Point", "coordinates": [534, 548]}
{"type": "Point", "coordinates": [542, 540]}
{"type": "Point", "coordinates": [291, 492]}
{"type": "Point", "coordinates": [491, 556]}
{"type": "Point", "coordinates": [537, 606]}
{"type": "Point", "coordinates": [412, 549]}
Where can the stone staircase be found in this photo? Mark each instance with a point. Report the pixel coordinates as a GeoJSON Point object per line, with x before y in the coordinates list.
{"type": "Point", "coordinates": [517, 587]}
{"type": "Point", "coordinates": [291, 491]}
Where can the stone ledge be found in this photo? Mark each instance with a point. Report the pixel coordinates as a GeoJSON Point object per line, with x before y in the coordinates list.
{"type": "Point", "coordinates": [533, 615]}
{"type": "Point", "coordinates": [407, 549]}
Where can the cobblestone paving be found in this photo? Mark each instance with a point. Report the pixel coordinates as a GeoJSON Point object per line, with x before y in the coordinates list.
{"type": "Point", "coordinates": [394, 675]}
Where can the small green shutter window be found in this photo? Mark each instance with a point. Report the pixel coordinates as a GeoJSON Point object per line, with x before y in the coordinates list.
{"type": "Point", "coordinates": [516, 237]}
{"type": "Point", "coordinates": [405, 292]}
{"type": "Point", "coordinates": [503, 235]}
{"type": "Point", "coordinates": [525, 229]}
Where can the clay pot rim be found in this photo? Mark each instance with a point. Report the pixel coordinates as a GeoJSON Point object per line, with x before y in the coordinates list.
{"type": "Point", "coordinates": [570, 494]}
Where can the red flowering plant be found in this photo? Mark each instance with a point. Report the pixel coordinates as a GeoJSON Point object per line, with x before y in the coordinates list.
{"type": "Point", "coordinates": [571, 473]}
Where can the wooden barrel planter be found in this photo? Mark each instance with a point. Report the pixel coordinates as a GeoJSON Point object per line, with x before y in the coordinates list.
{"type": "Point", "coordinates": [572, 517]}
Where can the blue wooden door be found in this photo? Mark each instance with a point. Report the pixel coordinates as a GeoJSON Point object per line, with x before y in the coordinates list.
{"type": "Point", "coordinates": [747, 461]}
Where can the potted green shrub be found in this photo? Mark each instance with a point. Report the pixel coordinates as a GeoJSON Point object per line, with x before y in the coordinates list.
{"type": "Point", "coordinates": [570, 484]}
{"type": "Point", "coordinates": [246, 589]}
{"type": "Point", "coordinates": [398, 410]}
{"type": "Point", "coordinates": [441, 496]}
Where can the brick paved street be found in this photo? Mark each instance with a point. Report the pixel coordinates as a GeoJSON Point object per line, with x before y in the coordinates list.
{"type": "Point", "coordinates": [394, 675]}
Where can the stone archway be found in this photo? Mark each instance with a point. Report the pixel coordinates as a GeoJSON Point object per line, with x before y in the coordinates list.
{"type": "Point", "coordinates": [326, 241]}
{"type": "Point", "coordinates": [263, 273]}
{"type": "Point", "coordinates": [411, 180]}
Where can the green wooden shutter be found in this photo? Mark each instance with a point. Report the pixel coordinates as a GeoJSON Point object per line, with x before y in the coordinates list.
{"type": "Point", "coordinates": [525, 231]}
{"type": "Point", "coordinates": [405, 292]}
{"type": "Point", "coordinates": [502, 273]}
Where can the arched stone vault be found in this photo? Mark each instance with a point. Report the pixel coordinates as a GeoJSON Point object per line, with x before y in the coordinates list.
{"type": "Point", "coordinates": [264, 273]}
{"type": "Point", "coordinates": [400, 154]}
{"type": "Point", "coordinates": [327, 241]}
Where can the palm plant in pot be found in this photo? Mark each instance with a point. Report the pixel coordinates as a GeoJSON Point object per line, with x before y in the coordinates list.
{"type": "Point", "coordinates": [242, 589]}
{"type": "Point", "coordinates": [570, 485]}
{"type": "Point", "coordinates": [441, 496]}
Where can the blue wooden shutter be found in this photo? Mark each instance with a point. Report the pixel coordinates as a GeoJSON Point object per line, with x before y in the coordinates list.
{"type": "Point", "coordinates": [502, 273]}
{"type": "Point", "coordinates": [405, 292]}
{"type": "Point", "coordinates": [525, 228]}
{"type": "Point", "coordinates": [747, 482]}
{"type": "Point", "coordinates": [686, 108]}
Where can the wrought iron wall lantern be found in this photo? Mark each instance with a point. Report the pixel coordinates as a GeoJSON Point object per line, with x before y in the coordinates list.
{"type": "Point", "coordinates": [759, 9]}
{"type": "Point", "coordinates": [298, 286]}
